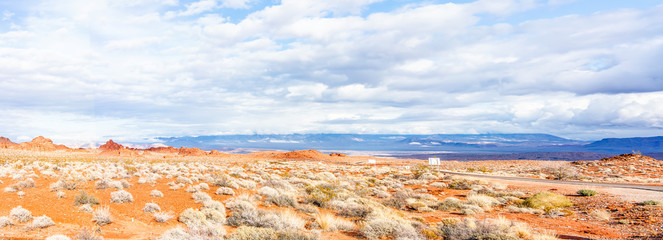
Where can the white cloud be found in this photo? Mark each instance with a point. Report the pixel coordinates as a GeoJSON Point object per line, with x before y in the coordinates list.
{"type": "Point", "coordinates": [134, 68]}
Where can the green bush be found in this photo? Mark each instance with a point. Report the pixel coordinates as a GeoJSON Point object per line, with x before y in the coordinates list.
{"type": "Point", "coordinates": [321, 194]}
{"type": "Point", "coordinates": [651, 202]}
{"type": "Point", "coordinates": [586, 192]}
{"type": "Point", "coordinates": [547, 200]}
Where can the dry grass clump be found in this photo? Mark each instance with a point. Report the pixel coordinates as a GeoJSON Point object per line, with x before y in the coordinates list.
{"type": "Point", "coordinates": [199, 197]}
{"type": "Point", "coordinates": [487, 229]}
{"type": "Point", "coordinates": [483, 201]}
{"type": "Point", "coordinates": [151, 207]}
{"type": "Point", "coordinates": [205, 217]}
{"type": "Point", "coordinates": [449, 204]}
{"type": "Point", "coordinates": [84, 198]}
{"type": "Point", "coordinates": [192, 216]}
{"type": "Point", "coordinates": [5, 221]}
{"type": "Point", "coordinates": [600, 214]}
{"type": "Point", "coordinates": [42, 222]}
{"type": "Point", "coordinates": [156, 193]}
{"type": "Point", "coordinates": [163, 217]}
{"type": "Point", "coordinates": [380, 228]}
{"type": "Point", "coordinates": [121, 196]}
{"type": "Point", "coordinates": [462, 183]}
{"type": "Point", "coordinates": [251, 233]}
{"type": "Point", "coordinates": [225, 191]}
{"type": "Point", "coordinates": [330, 223]}
{"type": "Point", "coordinates": [547, 201]}
{"type": "Point", "coordinates": [20, 214]}
{"type": "Point", "coordinates": [102, 216]}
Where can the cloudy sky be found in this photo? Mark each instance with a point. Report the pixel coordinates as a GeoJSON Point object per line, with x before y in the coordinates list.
{"type": "Point", "coordinates": [80, 70]}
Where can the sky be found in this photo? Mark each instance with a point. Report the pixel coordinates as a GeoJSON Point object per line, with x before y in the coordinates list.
{"type": "Point", "coordinates": [133, 70]}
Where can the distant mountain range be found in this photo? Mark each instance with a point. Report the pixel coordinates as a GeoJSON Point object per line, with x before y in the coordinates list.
{"type": "Point", "coordinates": [443, 143]}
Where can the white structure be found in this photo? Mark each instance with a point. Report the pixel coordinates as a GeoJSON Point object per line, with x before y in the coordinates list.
{"type": "Point", "coordinates": [371, 161]}
{"type": "Point", "coordinates": [434, 161]}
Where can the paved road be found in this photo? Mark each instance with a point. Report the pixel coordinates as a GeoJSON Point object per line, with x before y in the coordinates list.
{"type": "Point", "coordinates": [613, 185]}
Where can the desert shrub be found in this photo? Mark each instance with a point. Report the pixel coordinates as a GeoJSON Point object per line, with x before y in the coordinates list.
{"type": "Point", "coordinates": [102, 183]}
{"type": "Point", "coordinates": [63, 184]}
{"type": "Point", "coordinates": [280, 220]}
{"type": "Point", "coordinates": [225, 191]}
{"type": "Point", "coordinates": [203, 186]}
{"type": "Point", "coordinates": [214, 205]}
{"type": "Point", "coordinates": [331, 223]}
{"type": "Point", "coordinates": [438, 185]}
{"type": "Point", "coordinates": [156, 193]}
{"type": "Point", "coordinates": [192, 216]}
{"type": "Point", "coordinates": [183, 180]}
{"type": "Point", "coordinates": [58, 237]}
{"type": "Point", "coordinates": [482, 201]}
{"type": "Point", "coordinates": [389, 228]}
{"type": "Point", "coordinates": [462, 184]}
{"type": "Point", "coordinates": [162, 217]}
{"type": "Point", "coordinates": [252, 233]}
{"type": "Point", "coordinates": [125, 183]}
{"type": "Point", "coordinates": [214, 216]}
{"type": "Point", "coordinates": [600, 214]}
{"type": "Point", "coordinates": [467, 209]}
{"type": "Point", "coordinates": [21, 214]}
{"type": "Point", "coordinates": [242, 213]}
{"type": "Point", "coordinates": [419, 170]}
{"type": "Point", "coordinates": [473, 229]}
{"type": "Point", "coordinates": [175, 234]}
{"type": "Point", "coordinates": [85, 208]}
{"type": "Point", "coordinates": [295, 235]}
{"type": "Point", "coordinates": [84, 198]}
{"type": "Point", "coordinates": [650, 203]}
{"type": "Point", "coordinates": [200, 197]}
{"type": "Point", "coordinates": [547, 200]}
{"type": "Point", "coordinates": [42, 222]}
{"type": "Point", "coordinates": [27, 183]}
{"type": "Point", "coordinates": [151, 207]}
{"type": "Point", "coordinates": [5, 221]}
{"type": "Point", "coordinates": [355, 210]}
{"type": "Point", "coordinates": [102, 216]}
{"type": "Point", "coordinates": [321, 194]}
{"type": "Point", "coordinates": [121, 196]}
{"type": "Point", "coordinates": [449, 204]}
{"type": "Point", "coordinates": [308, 209]}
{"type": "Point", "coordinates": [515, 209]}
{"type": "Point", "coordinates": [282, 200]}
{"type": "Point", "coordinates": [86, 234]}
{"type": "Point", "coordinates": [194, 233]}
{"type": "Point", "coordinates": [397, 200]}
{"type": "Point", "coordinates": [586, 192]}
{"type": "Point", "coordinates": [563, 172]}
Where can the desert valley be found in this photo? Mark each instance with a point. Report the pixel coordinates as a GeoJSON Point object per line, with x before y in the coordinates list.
{"type": "Point", "coordinates": [113, 192]}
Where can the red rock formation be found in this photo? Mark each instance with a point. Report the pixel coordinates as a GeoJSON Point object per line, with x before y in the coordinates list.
{"type": "Point", "coordinates": [41, 144]}
{"type": "Point", "coordinates": [191, 152]}
{"type": "Point", "coordinates": [110, 146]}
{"type": "Point", "coordinates": [163, 149]}
{"type": "Point", "coordinates": [6, 143]}
{"type": "Point", "coordinates": [311, 154]}
{"type": "Point", "coordinates": [217, 153]}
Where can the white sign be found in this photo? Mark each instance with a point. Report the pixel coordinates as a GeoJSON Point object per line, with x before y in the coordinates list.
{"type": "Point", "coordinates": [433, 161]}
{"type": "Point", "coordinates": [371, 161]}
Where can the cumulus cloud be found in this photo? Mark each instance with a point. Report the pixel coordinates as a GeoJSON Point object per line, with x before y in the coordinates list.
{"type": "Point", "coordinates": [163, 68]}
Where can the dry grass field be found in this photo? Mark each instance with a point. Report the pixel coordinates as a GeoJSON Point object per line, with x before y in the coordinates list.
{"type": "Point", "coordinates": [84, 194]}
